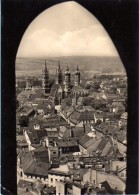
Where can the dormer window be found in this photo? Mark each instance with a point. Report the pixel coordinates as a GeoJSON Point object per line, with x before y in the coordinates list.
{"type": "Point", "coordinates": [78, 175]}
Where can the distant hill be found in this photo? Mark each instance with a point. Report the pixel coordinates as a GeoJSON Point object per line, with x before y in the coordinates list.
{"type": "Point", "coordinates": [87, 64]}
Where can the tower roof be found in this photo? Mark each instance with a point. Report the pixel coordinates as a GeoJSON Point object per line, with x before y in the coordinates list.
{"type": "Point", "coordinates": [77, 71]}
{"type": "Point", "coordinates": [67, 72]}
{"type": "Point", "coordinates": [45, 68]}
{"type": "Point", "coordinates": [45, 65]}
{"type": "Point", "coordinates": [58, 70]}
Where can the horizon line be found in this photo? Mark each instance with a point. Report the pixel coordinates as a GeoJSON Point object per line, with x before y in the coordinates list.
{"type": "Point", "coordinates": [68, 56]}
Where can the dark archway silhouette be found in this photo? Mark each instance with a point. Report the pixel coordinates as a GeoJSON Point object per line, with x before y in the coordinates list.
{"type": "Point", "coordinates": [119, 17]}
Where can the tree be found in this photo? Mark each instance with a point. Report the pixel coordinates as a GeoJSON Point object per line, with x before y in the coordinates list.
{"type": "Point", "coordinates": [88, 86]}
{"type": "Point", "coordinates": [23, 120]}
{"type": "Point", "coordinates": [98, 122]}
{"type": "Point", "coordinates": [87, 101]}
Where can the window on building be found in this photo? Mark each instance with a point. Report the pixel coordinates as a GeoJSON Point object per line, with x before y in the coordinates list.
{"type": "Point", "coordinates": [122, 174]}
{"type": "Point", "coordinates": [54, 152]}
{"type": "Point", "coordinates": [51, 179]}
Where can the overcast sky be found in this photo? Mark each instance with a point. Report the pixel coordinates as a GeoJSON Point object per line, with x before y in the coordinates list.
{"type": "Point", "coordinates": [64, 30]}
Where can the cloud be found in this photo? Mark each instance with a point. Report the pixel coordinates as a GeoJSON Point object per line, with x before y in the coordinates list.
{"type": "Point", "coordinates": [49, 36]}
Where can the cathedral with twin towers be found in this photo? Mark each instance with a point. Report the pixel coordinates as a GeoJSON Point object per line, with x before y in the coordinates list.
{"type": "Point", "coordinates": [62, 87]}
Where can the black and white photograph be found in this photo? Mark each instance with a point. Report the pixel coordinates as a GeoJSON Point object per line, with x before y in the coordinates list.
{"type": "Point", "coordinates": [71, 106]}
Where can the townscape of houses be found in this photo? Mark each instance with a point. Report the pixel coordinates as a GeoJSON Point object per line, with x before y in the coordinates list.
{"type": "Point", "coordinates": [71, 137]}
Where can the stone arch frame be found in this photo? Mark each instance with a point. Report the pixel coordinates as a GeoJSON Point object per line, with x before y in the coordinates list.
{"type": "Point", "coordinates": [127, 11]}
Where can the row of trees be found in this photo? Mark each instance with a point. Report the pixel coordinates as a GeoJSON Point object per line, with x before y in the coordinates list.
{"type": "Point", "coordinates": [96, 104]}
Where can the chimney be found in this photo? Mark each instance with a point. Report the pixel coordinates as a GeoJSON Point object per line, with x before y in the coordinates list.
{"type": "Point", "coordinates": [71, 132]}
{"type": "Point", "coordinates": [84, 128]}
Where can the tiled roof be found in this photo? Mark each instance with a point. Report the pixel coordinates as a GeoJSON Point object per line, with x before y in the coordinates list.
{"type": "Point", "coordinates": [84, 139]}
{"type": "Point", "coordinates": [77, 116]}
{"type": "Point", "coordinates": [102, 144]}
{"type": "Point", "coordinates": [93, 147]}
{"type": "Point", "coordinates": [41, 133]}
{"type": "Point", "coordinates": [41, 154]}
{"type": "Point", "coordinates": [26, 110]}
{"type": "Point", "coordinates": [49, 122]}
{"type": "Point", "coordinates": [106, 149]}
{"type": "Point", "coordinates": [64, 132]}
{"type": "Point", "coordinates": [124, 116]}
{"type": "Point", "coordinates": [46, 106]}
{"type": "Point", "coordinates": [26, 159]}
{"type": "Point", "coordinates": [66, 143]}
{"type": "Point", "coordinates": [55, 88]}
{"type": "Point", "coordinates": [33, 137]}
{"type": "Point", "coordinates": [38, 169]}
{"type": "Point", "coordinates": [30, 95]}
{"type": "Point", "coordinates": [78, 131]}
{"type": "Point", "coordinates": [122, 136]}
{"type": "Point", "coordinates": [68, 111]}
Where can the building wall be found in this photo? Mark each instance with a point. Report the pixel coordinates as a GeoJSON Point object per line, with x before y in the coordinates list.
{"type": "Point", "coordinates": [114, 181]}
{"type": "Point", "coordinates": [34, 179]}
{"type": "Point", "coordinates": [122, 174]}
{"type": "Point", "coordinates": [53, 178]}
{"type": "Point", "coordinates": [116, 165]}
{"type": "Point", "coordinates": [60, 188]}
{"type": "Point", "coordinates": [52, 154]}
{"type": "Point", "coordinates": [82, 150]}
{"type": "Point", "coordinates": [37, 127]}
{"type": "Point", "coordinates": [122, 148]}
{"type": "Point", "coordinates": [76, 190]}
{"type": "Point", "coordinates": [98, 177]}
{"type": "Point", "coordinates": [88, 176]}
{"type": "Point", "coordinates": [27, 140]}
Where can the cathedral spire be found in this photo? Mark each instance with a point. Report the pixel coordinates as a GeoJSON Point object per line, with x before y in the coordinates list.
{"type": "Point", "coordinates": [59, 68]}
{"type": "Point", "coordinates": [67, 68]}
{"type": "Point", "coordinates": [45, 78]}
{"type": "Point", "coordinates": [58, 79]}
{"type": "Point", "coordinates": [45, 65]}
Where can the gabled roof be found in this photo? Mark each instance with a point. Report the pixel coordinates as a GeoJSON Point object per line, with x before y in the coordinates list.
{"type": "Point", "coordinates": [33, 137]}
{"type": "Point", "coordinates": [94, 146]}
{"type": "Point", "coordinates": [124, 116]}
{"type": "Point", "coordinates": [66, 143]}
{"type": "Point", "coordinates": [122, 168]}
{"type": "Point", "coordinates": [46, 105]}
{"type": "Point", "coordinates": [68, 111]}
{"type": "Point", "coordinates": [78, 131]}
{"type": "Point", "coordinates": [102, 144]}
{"type": "Point", "coordinates": [41, 133]}
{"type": "Point", "coordinates": [38, 169]}
{"type": "Point", "coordinates": [55, 88]}
{"type": "Point", "coordinates": [25, 110]}
{"type": "Point", "coordinates": [64, 132]}
{"type": "Point", "coordinates": [106, 149]}
{"type": "Point", "coordinates": [26, 159]}
{"type": "Point", "coordinates": [77, 116]}
{"type": "Point", "coordinates": [30, 95]}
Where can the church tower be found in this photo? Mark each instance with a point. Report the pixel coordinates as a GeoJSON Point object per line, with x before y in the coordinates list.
{"type": "Point", "coordinates": [45, 79]}
{"type": "Point", "coordinates": [58, 75]}
{"type": "Point", "coordinates": [67, 82]}
{"type": "Point", "coordinates": [28, 83]}
{"type": "Point", "coordinates": [77, 77]}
